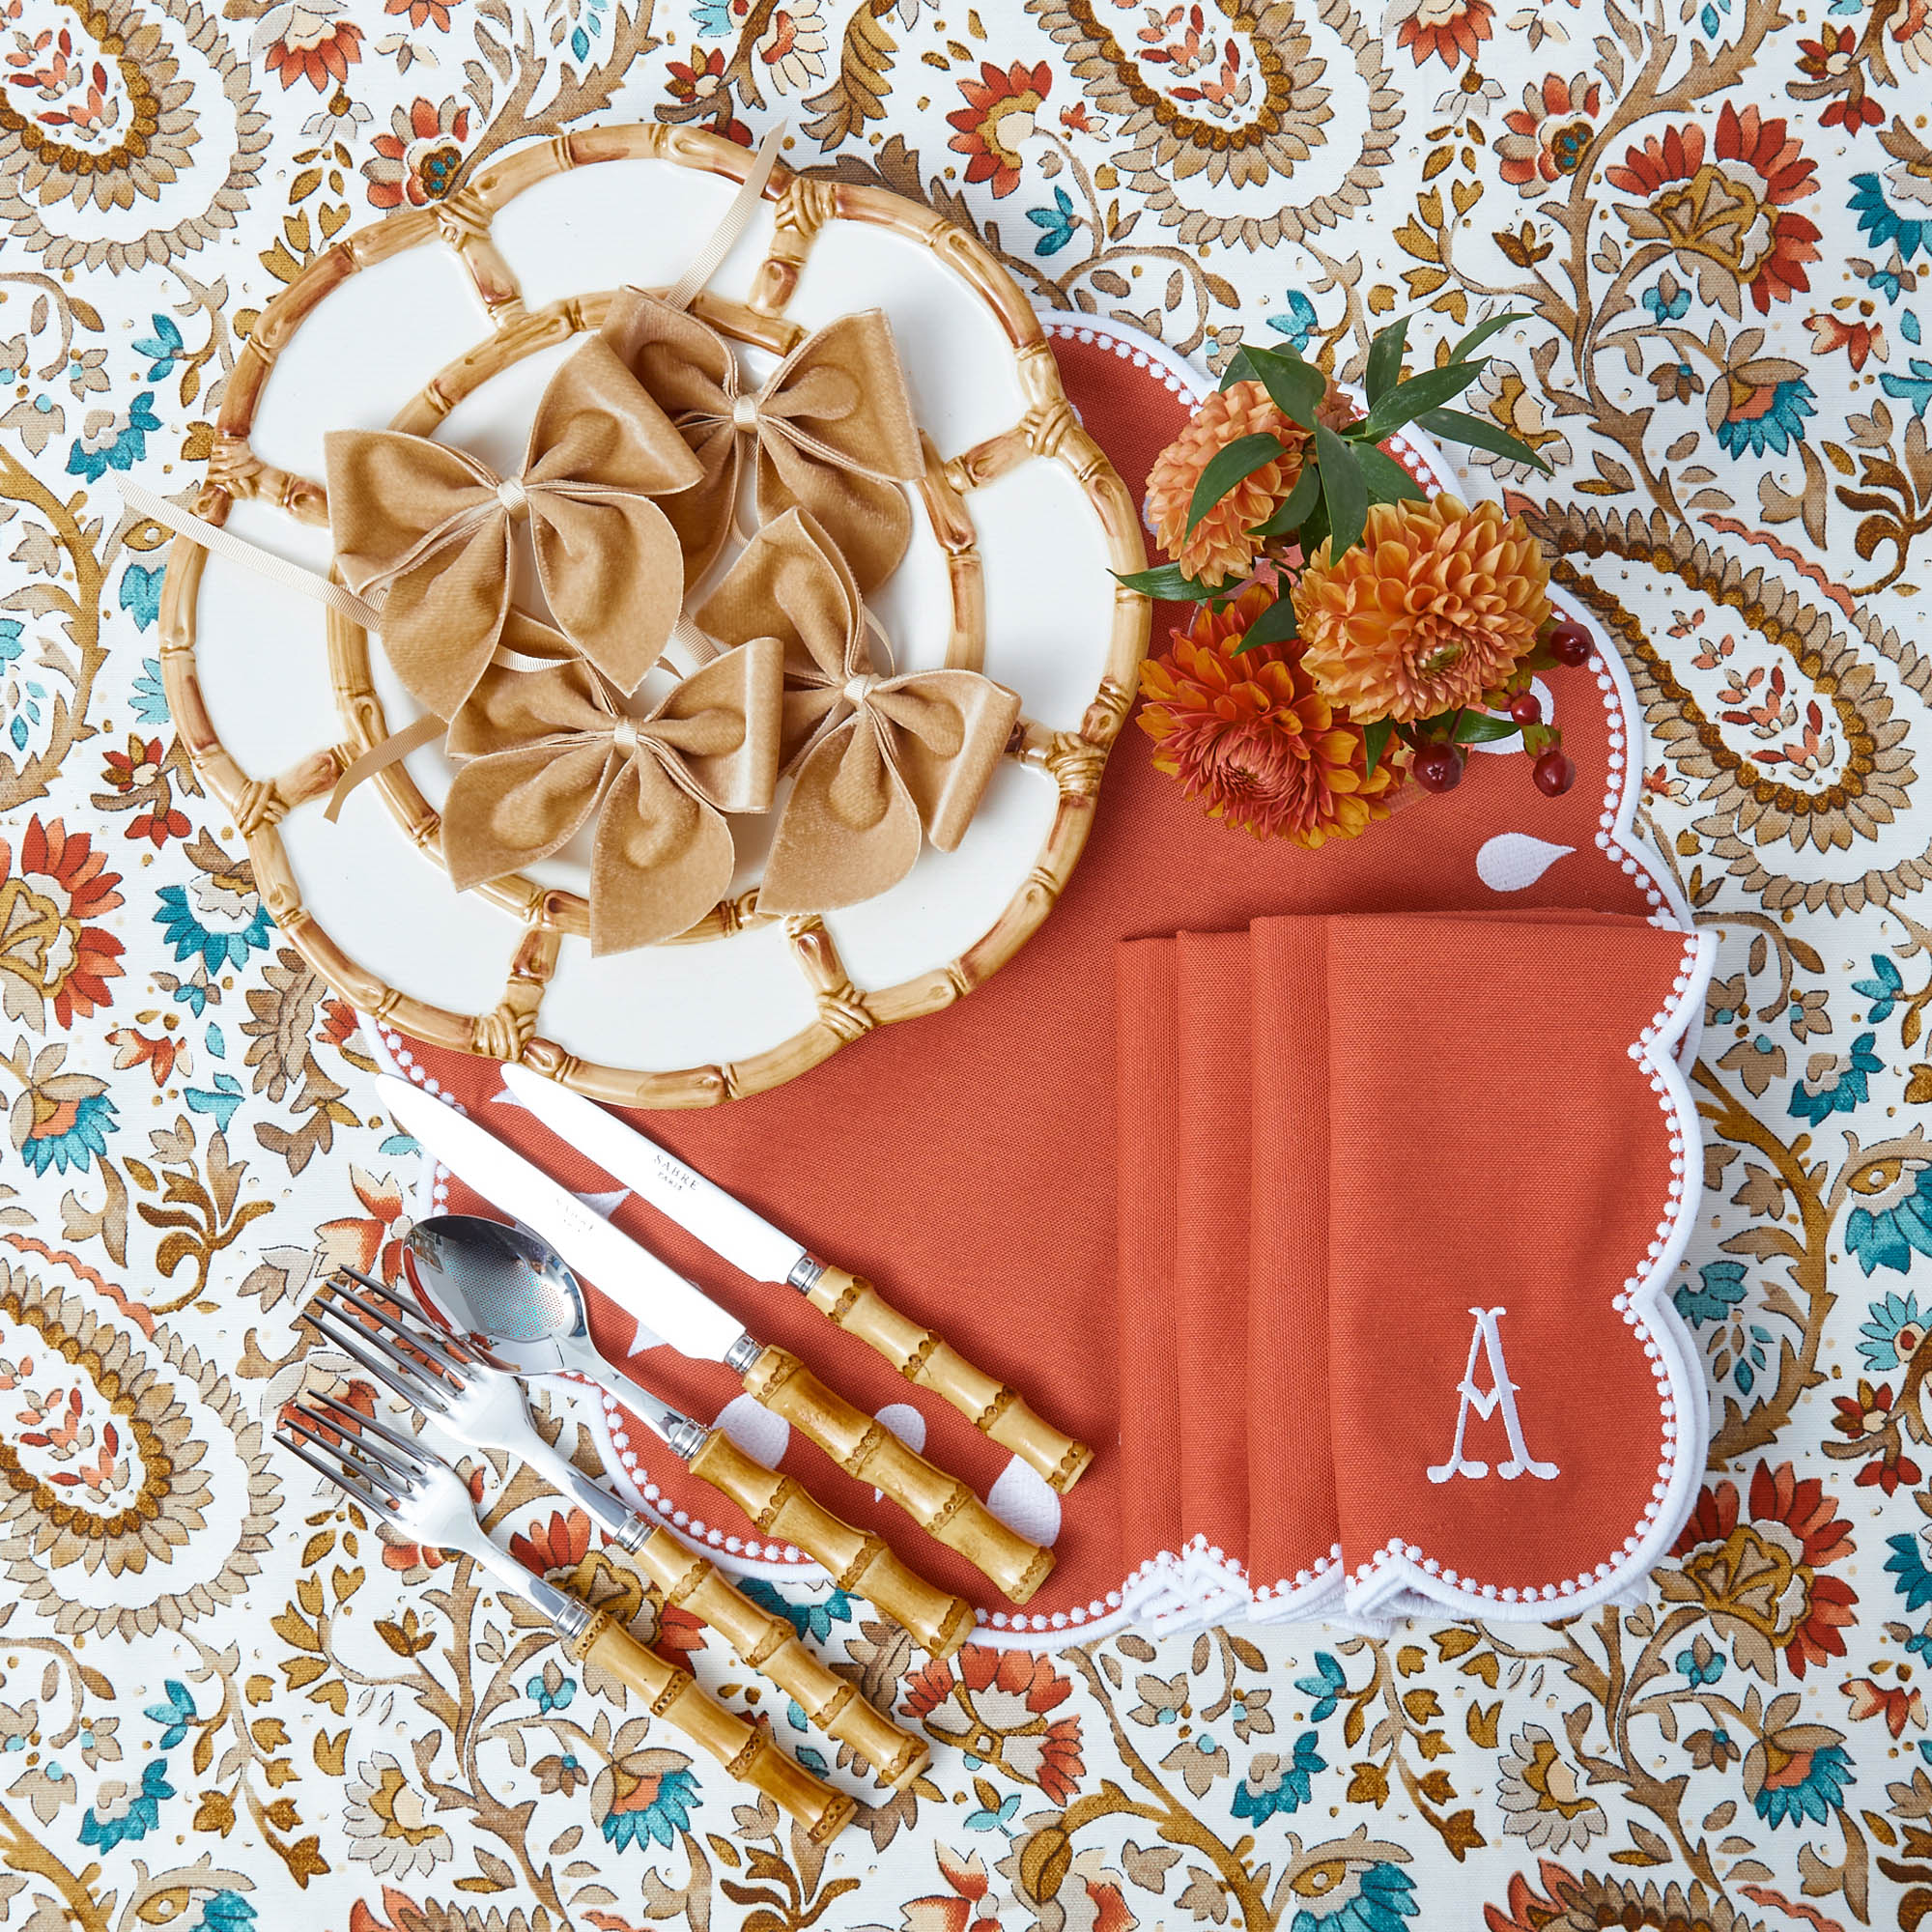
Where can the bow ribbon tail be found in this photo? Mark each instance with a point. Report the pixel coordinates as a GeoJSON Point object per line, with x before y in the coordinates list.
{"type": "Point", "coordinates": [379, 757]}
{"type": "Point", "coordinates": [736, 219]}
{"type": "Point", "coordinates": [231, 548]}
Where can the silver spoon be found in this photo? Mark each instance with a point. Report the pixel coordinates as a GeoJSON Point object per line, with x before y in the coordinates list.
{"type": "Point", "coordinates": [515, 1295]}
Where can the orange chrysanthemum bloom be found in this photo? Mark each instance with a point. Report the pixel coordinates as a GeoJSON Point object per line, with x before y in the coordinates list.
{"type": "Point", "coordinates": [1431, 610]}
{"type": "Point", "coordinates": [1220, 545]}
{"type": "Point", "coordinates": [1254, 738]}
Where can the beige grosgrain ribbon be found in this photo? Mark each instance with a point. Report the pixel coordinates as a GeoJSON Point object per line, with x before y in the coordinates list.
{"type": "Point", "coordinates": [544, 749]}
{"type": "Point", "coordinates": [874, 760]}
{"type": "Point", "coordinates": [433, 527]}
{"type": "Point", "coordinates": [736, 219]}
{"type": "Point", "coordinates": [833, 430]}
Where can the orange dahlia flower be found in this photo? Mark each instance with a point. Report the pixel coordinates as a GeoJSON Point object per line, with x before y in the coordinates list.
{"type": "Point", "coordinates": [1431, 610]}
{"type": "Point", "coordinates": [1220, 545]}
{"type": "Point", "coordinates": [1254, 738]}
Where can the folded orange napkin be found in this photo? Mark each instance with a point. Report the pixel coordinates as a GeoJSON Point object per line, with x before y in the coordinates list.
{"type": "Point", "coordinates": [1382, 1182]}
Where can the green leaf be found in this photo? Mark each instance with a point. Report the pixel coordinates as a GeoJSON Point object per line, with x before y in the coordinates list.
{"type": "Point", "coordinates": [1240, 369]}
{"type": "Point", "coordinates": [1168, 583]}
{"type": "Point", "coordinates": [1231, 465]}
{"type": "Point", "coordinates": [1481, 332]}
{"type": "Point", "coordinates": [1385, 360]}
{"type": "Point", "coordinates": [1467, 727]}
{"type": "Point", "coordinates": [1428, 389]}
{"type": "Point", "coordinates": [1344, 489]}
{"type": "Point", "coordinates": [1478, 728]}
{"type": "Point", "coordinates": [1314, 530]}
{"type": "Point", "coordinates": [1295, 512]}
{"type": "Point", "coordinates": [1374, 741]}
{"type": "Point", "coordinates": [1387, 480]}
{"type": "Point", "coordinates": [1275, 625]}
{"type": "Point", "coordinates": [1295, 386]}
{"type": "Point", "coordinates": [1480, 433]}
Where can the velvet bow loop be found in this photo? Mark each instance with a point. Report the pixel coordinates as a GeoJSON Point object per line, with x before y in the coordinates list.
{"type": "Point", "coordinates": [431, 529]}
{"type": "Point", "coordinates": [546, 749]}
{"type": "Point", "coordinates": [833, 427]}
{"type": "Point", "coordinates": [877, 761]}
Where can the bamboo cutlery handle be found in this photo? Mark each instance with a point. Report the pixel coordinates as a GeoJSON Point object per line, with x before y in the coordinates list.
{"type": "Point", "coordinates": [769, 1644]}
{"type": "Point", "coordinates": [742, 1749]}
{"type": "Point", "coordinates": [942, 1505]}
{"type": "Point", "coordinates": [781, 1510]}
{"type": "Point", "coordinates": [849, 1302]}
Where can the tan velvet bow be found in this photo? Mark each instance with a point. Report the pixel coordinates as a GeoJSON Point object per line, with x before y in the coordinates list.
{"type": "Point", "coordinates": [547, 748]}
{"type": "Point", "coordinates": [874, 758]}
{"type": "Point", "coordinates": [433, 529]}
{"type": "Point", "coordinates": [833, 429]}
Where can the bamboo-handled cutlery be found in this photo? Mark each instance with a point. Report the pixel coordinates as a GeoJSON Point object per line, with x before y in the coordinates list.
{"type": "Point", "coordinates": [476, 1406]}
{"type": "Point", "coordinates": [397, 1482]}
{"type": "Point", "coordinates": [490, 1279]}
{"type": "Point", "coordinates": [669, 1308]}
{"type": "Point", "coordinates": [514, 1308]}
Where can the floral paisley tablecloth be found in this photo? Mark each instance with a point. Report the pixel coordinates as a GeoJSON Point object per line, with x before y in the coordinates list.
{"type": "Point", "coordinates": [225, 1705]}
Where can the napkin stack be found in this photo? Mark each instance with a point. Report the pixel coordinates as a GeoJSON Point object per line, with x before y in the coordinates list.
{"type": "Point", "coordinates": [1340, 1138]}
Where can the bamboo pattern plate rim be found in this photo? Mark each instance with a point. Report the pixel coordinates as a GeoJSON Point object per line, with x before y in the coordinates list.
{"type": "Point", "coordinates": [1074, 761]}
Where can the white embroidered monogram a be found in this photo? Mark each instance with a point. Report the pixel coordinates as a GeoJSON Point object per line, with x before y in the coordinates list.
{"type": "Point", "coordinates": [1501, 1393]}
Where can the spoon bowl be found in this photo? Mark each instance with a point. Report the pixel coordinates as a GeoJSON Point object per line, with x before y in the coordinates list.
{"type": "Point", "coordinates": [491, 1279]}
{"type": "Point", "coordinates": [516, 1297]}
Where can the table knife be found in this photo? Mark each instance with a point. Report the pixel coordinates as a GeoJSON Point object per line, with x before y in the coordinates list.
{"type": "Point", "coordinates": [660, 1300]}
{"type": "Point", "coordinates": [754, 1246]}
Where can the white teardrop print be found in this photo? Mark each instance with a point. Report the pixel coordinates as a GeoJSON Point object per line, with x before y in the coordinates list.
{"type": "Point", "coordinates": [1022, 1501]}
{"type": "Point", "coordinates": [605, 1205]}
{"type": "Point", "coordinates": [754, 1429]}
{"type": "Point", "coordinates": [905, 1422]}
{"type": "Point", "coordinates": [1513, 859]}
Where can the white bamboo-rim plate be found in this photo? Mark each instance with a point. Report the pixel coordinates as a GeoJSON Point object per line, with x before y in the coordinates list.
{"type": "Point", "coordinates": [1017, 523]}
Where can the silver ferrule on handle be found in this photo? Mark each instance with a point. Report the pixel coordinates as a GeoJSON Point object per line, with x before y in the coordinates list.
{"type": "Point", "coordinates": [742, 1356]}
{"type": "Point", "coordinates": [804, 1273]}
{"type": "Point", "coordinates": [569, 1617]}
{"type": "Point", "coordinates": [605, 1510]}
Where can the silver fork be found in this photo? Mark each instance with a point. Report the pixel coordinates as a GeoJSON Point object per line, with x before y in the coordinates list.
{"type": "Point", "coordinates": [397, 1480]}
{"type": "Point", "coordinates": [477, 1405]}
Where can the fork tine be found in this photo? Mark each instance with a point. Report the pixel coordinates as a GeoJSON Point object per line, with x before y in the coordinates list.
{"type": "Point", "coordinates": [338, 1476]}
{"type": "Point", "coordinates": [409, 1457]}
{"type": "Point", "coordinates": [359, 1475]}
{"type": "Point", "coordinates": [416, 1383]}
{"type": "Point", "coordinates": [401, 1320]}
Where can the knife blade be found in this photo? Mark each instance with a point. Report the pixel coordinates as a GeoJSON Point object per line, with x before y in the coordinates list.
{"type": "Point", "coordinates": [655, 1296]}
{"type": "Point", "coordinates": [752, 1245]}
{"type": "Point", "coordinates": [701, 1207]}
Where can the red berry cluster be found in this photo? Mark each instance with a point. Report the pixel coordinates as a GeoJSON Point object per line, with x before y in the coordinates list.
{"type": "Point", "coordinates": [1436, 764]}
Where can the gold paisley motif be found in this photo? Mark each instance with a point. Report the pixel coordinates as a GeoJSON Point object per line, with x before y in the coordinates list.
{"type": "Point", "coordinates": [157, 1486]}
{"type": "Point", "coordinates": [147, 164]}
{"type": "Point", "coordinates": [1167, 148]}
{"type": "Point", "coordinates": [1747, 810]}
